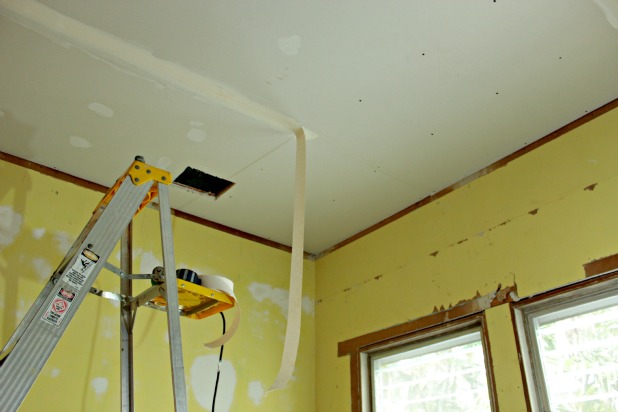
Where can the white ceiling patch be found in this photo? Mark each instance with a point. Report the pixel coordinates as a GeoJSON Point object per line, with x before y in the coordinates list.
{"type": "Point", "coordinates": [289, 45]}
{"type": "Point", "coordinates": [101, 109]}
{"type": "Point", "coordinates": [164, 162]}
{"type": "Point", "coordinates": [79, 142]}
{"type": "Point", "coordinates": [196, 135]}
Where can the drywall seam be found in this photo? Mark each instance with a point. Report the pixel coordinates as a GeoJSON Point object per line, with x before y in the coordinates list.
{"type": "Point", "coordinates": [65, 30]}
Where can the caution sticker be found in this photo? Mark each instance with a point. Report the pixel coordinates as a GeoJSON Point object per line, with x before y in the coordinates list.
{"type": "Point", "coordinates": [76, 276]}
{"type": "Point", "coordinates": [58, 307]}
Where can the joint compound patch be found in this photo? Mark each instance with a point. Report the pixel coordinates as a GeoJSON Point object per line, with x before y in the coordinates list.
{"type": "Point", "coordinates": [76, 276]}
{"type": "Point", "coordinates": [58, 307]}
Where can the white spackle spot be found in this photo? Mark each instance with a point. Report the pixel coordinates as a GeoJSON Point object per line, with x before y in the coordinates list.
{"type": "Point", "coordinates": [196, 135]}
{"type": "Point", "coordinates": [166, 337]}
{"type": "Point", "coordinates": [278, 296]}
{"type": "Point", "coordinates": [148, 262]}
{"type": "Point", "coordinates": [1, 113]}
{"type": "Point", "coordinates": [63, 241]}
{"type": "Point", "coordinates": [308, 305]}
{"type": "Point", "coordinates": [55, 372]}
{"type": "Point", "coordinates": [108, 327]}
{"type": "Point", "coordinates": [43, 268]}
{"type": "Point", "coordinates": [10, 225]}
{"type": "Point", "coordinates": [203, 375]}
{"type": "Point", "coordinates": [289, 45]}
{"type": "Point", "coordinates": [79, 142]}
{"type": "Point", "coordinates": [256, 392]}
{"type": "Point", "coordinates": [21, 310]}
{"type": "Point", "coordinates": [99, 385]}
{"type": "Point", "coordinates": [101, 109]}
{"type": "Point", "coordinates": [164, 162]}
{"type": "Point", "coordinates": [196, 123]}
{"type": "Point", "coordinates": [38, 233]}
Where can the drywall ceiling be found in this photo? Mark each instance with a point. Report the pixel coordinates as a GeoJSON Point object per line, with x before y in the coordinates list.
{"type": "Point", "coordinates": [405, 97]}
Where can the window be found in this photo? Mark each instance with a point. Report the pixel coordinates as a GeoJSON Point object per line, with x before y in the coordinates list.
{"type": "Point", "coordinates": [440, 370]}
{"type": "Point", "coordinates": [569, 343]}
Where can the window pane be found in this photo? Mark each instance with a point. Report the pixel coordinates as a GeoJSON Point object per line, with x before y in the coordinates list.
{"type": "Point", "coordinates": [448, 375]}
{"type": "Point", "coordinates": [579, 356]}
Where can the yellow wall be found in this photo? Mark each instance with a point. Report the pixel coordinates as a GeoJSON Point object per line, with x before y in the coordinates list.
{"type": "Point", "coordinates": [531, 222]}
{"type": "Point", "coordinates": [39, 220]}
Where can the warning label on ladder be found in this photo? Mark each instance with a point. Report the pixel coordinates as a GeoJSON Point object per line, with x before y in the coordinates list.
{"type": "Point", "coordinates": [58, 307]}
{"type": "Point", "coordinates": [76, 276]}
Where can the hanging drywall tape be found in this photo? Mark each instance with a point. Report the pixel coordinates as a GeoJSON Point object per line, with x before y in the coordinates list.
{"type": "Point", "coordinates": [292, 333]}
{"type": "Point", "coordinates": [222, 284]}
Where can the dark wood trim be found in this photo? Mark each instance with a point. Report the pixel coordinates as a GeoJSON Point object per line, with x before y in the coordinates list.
{"type": "Point", "coordinates": [57, 174]}
{"type": "Point", "coordinates": [491, 380]}
{"type": "Point", "coordinates": [48, 171]}
{"type": "Point", "coordinates": [494, 166]}
{"type": "Point", "coordinates": [355, 382]}
{"type": "Point", "coordinates": [466, 308]}
{"type": "Point", "coordinates": [589, 281]}
{"type": "Point", "coordinates": [522, 370]}
{"type": "Point", "coordinates": [603, 265]}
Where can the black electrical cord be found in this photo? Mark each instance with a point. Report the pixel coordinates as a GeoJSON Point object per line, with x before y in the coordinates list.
{"type": "Point", "coordinates": [214, 396]}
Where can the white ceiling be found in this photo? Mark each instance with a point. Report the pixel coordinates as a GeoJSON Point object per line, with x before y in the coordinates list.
{"type": "Point", "coordinates": [406, 97]}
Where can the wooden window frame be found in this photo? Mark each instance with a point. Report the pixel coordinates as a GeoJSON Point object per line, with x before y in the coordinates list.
{"type": "Point", "coordinates": [597, 277]}
{"type": "Point", "coordinates": [437, 323]}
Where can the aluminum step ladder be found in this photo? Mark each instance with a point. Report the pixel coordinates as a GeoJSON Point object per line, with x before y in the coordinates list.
{"type": "Point", "coordinates": [28, 349]}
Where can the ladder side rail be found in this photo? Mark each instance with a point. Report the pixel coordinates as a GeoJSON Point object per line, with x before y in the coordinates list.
{"type": "Point", "coordinates": [127, 390]}
{"type": "Point", "coordinates": [23, 324]}
{"type": "Point", "coordinates": [171, 292]}
{"type": "Point", "coordinates": [22, 366]}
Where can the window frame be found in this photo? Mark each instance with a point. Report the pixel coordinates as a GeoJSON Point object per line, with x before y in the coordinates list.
{"type": "Point", "coordinates": [476, 323]}
{"type": "Point", "coordinates": [525, 311]}
{"type": "Point", "coordinates": [476, 306]}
